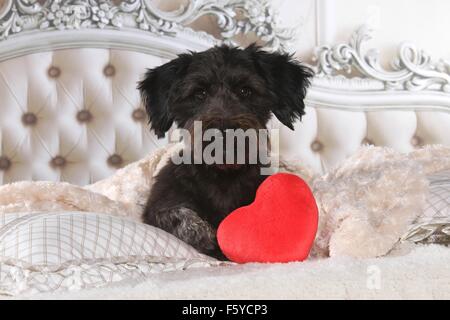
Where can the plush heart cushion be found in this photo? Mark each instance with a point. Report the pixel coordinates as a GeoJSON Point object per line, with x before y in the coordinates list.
{"type": "Point", "coordinates": [279, 226]}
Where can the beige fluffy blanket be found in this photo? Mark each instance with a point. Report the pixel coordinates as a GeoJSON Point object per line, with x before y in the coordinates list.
{"type": "Point", "coordinates": [366, 203]}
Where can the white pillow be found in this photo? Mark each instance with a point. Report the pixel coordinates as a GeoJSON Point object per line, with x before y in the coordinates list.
{"type": "Point", "coordinates": [433, 226]}
{"type": "Point", "coordinates": [42, 252]}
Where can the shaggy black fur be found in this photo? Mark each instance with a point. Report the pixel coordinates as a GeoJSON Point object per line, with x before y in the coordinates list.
{"type": "Point", "coordinates": [224, 87]}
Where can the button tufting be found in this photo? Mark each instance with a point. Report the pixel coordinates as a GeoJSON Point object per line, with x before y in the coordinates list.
{"type": "Point", "coordinates": [115, 160]}
{"type": "Point", "coordinates": [29, 119]}
{"type": "Point", "coordinates": [84, 116]}
{"type": "Point", "coordinates": [316, 146]}
{"type": "Point", "coordinates": [138, 115]}
{"type": "Point", "coordinates": [54, 72]}
{"type": "Point", "coordinates": [109, 70]}
{"type": "Point", "coordinates": [367, 141]}
{"type": "Point", "coordinates": [5, 163]}
{"type": "Point", "coordinates": [416, 141]}
{"type": "Point", "coordinates": [58, 162]}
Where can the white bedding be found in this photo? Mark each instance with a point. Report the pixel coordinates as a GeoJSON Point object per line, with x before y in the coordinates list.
{"type": "Point", "coordinates": [422, 273]}
{"type": "Point", "coordinates": [57, 249]}
{"type": "Point", "coordinates": [99, 256]}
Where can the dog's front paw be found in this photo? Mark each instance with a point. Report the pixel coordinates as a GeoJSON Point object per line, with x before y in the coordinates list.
{"type": "Point", "coordinates": [194, 230]}
{"type": "Point", "coordinates": [185, 224]}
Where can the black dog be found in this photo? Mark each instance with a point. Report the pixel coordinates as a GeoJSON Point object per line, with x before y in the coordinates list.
{"type": "Point", "coordinates": [223, 87]}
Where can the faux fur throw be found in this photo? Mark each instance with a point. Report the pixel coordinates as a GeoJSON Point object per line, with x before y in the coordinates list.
{"type": "Point", "coordinates": [366, 203]}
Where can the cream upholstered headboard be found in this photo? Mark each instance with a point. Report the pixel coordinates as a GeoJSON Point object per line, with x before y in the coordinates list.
{"type": "Point", "coordinates": [69, 107]}
{"type": "Point", "coordinates": [70, 111]}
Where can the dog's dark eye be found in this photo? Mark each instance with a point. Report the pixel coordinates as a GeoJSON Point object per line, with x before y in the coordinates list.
{"type": "Point", "coordinates": [245, 92]}
{"type": "Point", "coordinates": [200, 94]}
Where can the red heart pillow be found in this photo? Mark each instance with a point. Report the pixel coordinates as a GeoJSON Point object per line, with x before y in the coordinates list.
{"type": "Point", "coordinates": [279, 226]}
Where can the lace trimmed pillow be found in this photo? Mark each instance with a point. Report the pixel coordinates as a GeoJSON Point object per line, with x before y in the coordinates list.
{"type": "Point", "coordinates": [42, 252]}
{"type": "Point", "coordinates": [433, 226]}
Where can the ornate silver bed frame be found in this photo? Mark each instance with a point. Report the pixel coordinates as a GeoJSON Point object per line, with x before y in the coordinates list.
{"type": "Point", "coordinates": [415, 79]}
{"type": "Point", "coordinates": [96, 23]}
{"type": "Point", "coordinates": [137, 20]}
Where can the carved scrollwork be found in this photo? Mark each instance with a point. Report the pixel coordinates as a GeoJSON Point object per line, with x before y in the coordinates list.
{"type": "Point", "coordinates": [233, 17]}
{"type": "Point", "coordinates": [413, 69]}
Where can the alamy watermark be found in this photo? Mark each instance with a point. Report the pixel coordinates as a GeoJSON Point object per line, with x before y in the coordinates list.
{"type": "Point", "coordinates": [228, 147]}
{"type": "Point", "coordinates": [373, 281]}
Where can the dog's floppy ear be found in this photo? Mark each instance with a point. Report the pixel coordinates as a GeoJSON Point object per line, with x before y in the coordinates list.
{"type": "Point", "coordinates": [287, 79]}
{"type": "Point", "coordinates": [155, 90]}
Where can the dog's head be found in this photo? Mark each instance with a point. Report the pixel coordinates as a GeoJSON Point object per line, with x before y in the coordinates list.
{"type": "Point", "coordinates": [225, 88]}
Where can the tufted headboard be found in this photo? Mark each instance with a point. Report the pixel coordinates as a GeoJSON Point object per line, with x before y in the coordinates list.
{"type": "Point", "coordinates": [70, 111]}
